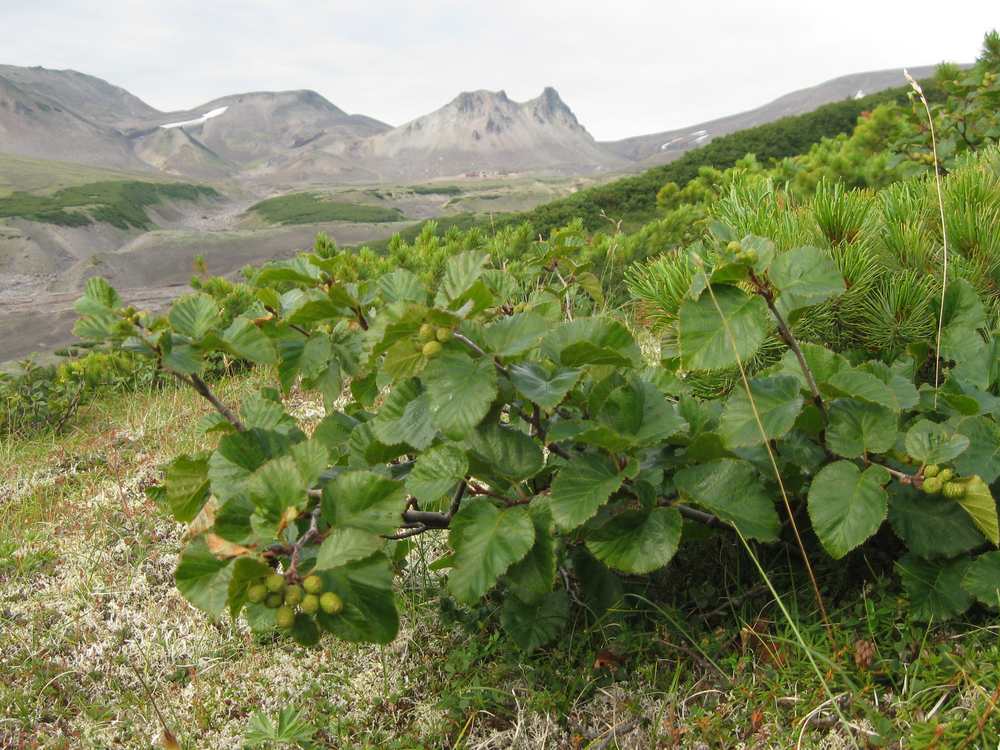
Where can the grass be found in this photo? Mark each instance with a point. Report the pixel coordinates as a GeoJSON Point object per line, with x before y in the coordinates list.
{"type": "Point", "coordinates": [121, 203]}
{"type": "Point", "coordinates": [700, 656]}
{"type": "Point", "coordinates": [437, 189]}
{"type": "Point", "coordinates": [311, 208]}
{"type": "Point", "coordinates": [47, 176]}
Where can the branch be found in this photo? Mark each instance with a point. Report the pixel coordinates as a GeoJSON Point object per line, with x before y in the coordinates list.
{"type": "Point", "coordinates": [702, 517]}
{"type": "Point", "coordinates": [303, 540]}
{"type": "Point", "coordinates": [469, 343]}
{"type": "Point", "coordinates": [431, 519]}
{"type": "Point", "coordinates": [786, 335]}
{"type": "Point", "coordinates": [202, 387]}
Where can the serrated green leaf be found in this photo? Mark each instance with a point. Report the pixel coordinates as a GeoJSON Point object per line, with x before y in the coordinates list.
{"type": "Point", "coordinates": [406, 417]}
{"type": "Point", "coordinates": [863, 386]}
{"type": "Point", "coordinates": [186, 484]}
{"type": "Point", "coordinates": [365, 501]}
{"type": "Point", "coordinates": [487, 541]}
{"type": "Point", "coordinates": [982, 457]}
{"type": "Point", "coordinates": [591, 341]}
{"type": "Point", "coordinates": [344, 544]}
{"type": "Point", "coordinates": [704, 339]}
{"type": "Point", "coordinates": [847, 506]}
{"type": "Point", "coordinates": [804, 277]}
{"type": "Point", "coordinates": [930, 525]}
{"type": "Point", "coordinates": [537, 623]}
{"type": "Point", "coordinates": [778, 403]}
{"type": "Point", "coordinates": [731, 489]}
{"type": "Point", "coordinates": [978, 502]}
{"type": "Point", "coordinates": [637, 541]}
{"type": "Point", "coordinates": [982, 579]}
{"type": "Point", "coordinates": [194, 315]}
{"type": "Point", "coordinates": [935, 588]}
{"type": "Point", "coordinates": [581, 488]}
{"type": "Point", "coordinates": [515, 334]}
{"type": "Point", "coordinates": [245, 340]}
{"type": "Point", "coordinates": [402, 286]}
{"type": "Point", "coordinates": [461, 390]}
{"type": "Point", "coordinates": [932, 443]}
{"type": "Point", "coordinates": [503, 452]}
{"type": "Point", "coordinates": [460, 274]}
{"type": "Point", "coordinates": [203, 579]}
{"type": "Point", "coordinates": [547, 389]}
{"type": "Point", "coordinates": [435, 473]}
{"type": "Point", "coordinates": [855, 427]}
{"type": "Point", "coordinates": [641, 414]}
{"type": "Point", "coordinates": [534, 575]}
{"type": "Point", "coordinates": [365, 587]}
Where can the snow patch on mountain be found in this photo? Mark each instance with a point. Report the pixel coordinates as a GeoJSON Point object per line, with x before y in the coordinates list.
{"type": "Point", "coordinates": [198, 120]}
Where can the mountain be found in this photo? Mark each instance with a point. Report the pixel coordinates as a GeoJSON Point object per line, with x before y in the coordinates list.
{"type": "Point", "coordinates": [659, 148]}
{"type": "Point", "coordinates": [291, 138]}
{"type": "Point", "coordinates": [252, 131]}
{"type": "Point", "coordinates": [485, 131]}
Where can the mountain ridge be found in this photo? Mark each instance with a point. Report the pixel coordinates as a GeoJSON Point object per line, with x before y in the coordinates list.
{"type": "Point", "coordinates": [291, 136]}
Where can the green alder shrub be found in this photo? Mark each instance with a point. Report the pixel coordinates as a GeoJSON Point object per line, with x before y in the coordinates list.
{"type": "Point", "coordinates": [538, 437]}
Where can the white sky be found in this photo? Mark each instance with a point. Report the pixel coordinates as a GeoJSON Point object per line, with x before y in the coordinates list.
{"type": "Point", "coordinates": [626, 67]}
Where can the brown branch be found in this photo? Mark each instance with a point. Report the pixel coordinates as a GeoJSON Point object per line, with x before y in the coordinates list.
{"type": "Point", "coordinates": [431, 519]}
{"type": "Point", "coordinates": [786, 335]}
{"type": "Point", "coordinates": [202, 388]}
{"type": "Point", "coordinates": [311, 533]}
{"type": "Point", "coordinates": [470, 344]}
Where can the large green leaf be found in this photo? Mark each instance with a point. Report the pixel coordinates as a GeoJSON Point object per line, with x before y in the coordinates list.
{"type": "Point", "coordinates": [235, 459]}
{"type": "Point", "coordinates": [581, 488]}
{"type": "Point", "coordinates": [547, 389]}
{"type": "Point", "coordinates": [460, 274]}
{"type": "Point", "coordinates": [534, 624]}
{"type": "Point", "coordinates": [856, 427]}
{"type": "Point", "coordinates": [930, 525]}
{"type": "Point", "coordinates": [591, 341]}
{"type": "Point", "coordinates": [704, 339]}
{"type": "Point", "coordinates": [804, 277]}
{"type": "Point", "coordinates": [369, 614]}
{"type": "Point", "coordinates": [186, 483]}
{"type": "Point", "coordinates": [245, 340]}
{"type": "Point", "coordinates": [982, 457]}
{"type": "Point", "coordinates": [982, 579]}
{"type": "Point", "coordinates": [194, 315]}
{"type": "Point", "coordinates": [515, 334]}
{"type": "Point", "coordinates": [535, 574]}
{"type": "Point", "coordinates": [822, 362]}
{"type": "Point", "coordinates": [637, 541]}
{"type": "Point", "coordinates": [366, 501]}
{"type": "Point", "coordinates": [846, 505]}
{"type": "Point", "coordinates": [487, 541]}
{"type": "Point", "coordinates": [203, 578]}
{"type": "Point", "coordinates": [435, 473]}
{"type": "Point", "coordinates": [932, 443]}
{"type": "Point", "coordinates": [935, 588]}
{"type": "Point", "coordinates": [461, 390]}
{"type": "Point", "coordinates": [344, 544]}
{"type": "Point", "coordinates": [402, 286]}
{"type": "Point", "coordinates": [778, 403]}
{"type": "Point", "coordinates": [978, 502]}
{"type": "Point", "coordinates": [98, 296]}
{"type": "Point", "coordinates": [731, 489]}
{"type": "Point", "coordinates": [405, 417]}
{"type": "Point", "coordinates": [504, 452]}
{"type": "Point", "coordinates": [641, 414]}
{"type": "Point", "coordinates": [863, 386]}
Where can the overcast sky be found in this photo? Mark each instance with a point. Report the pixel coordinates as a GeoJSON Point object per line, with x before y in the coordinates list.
{"type": "Point", "coordinates": [626, 67]}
